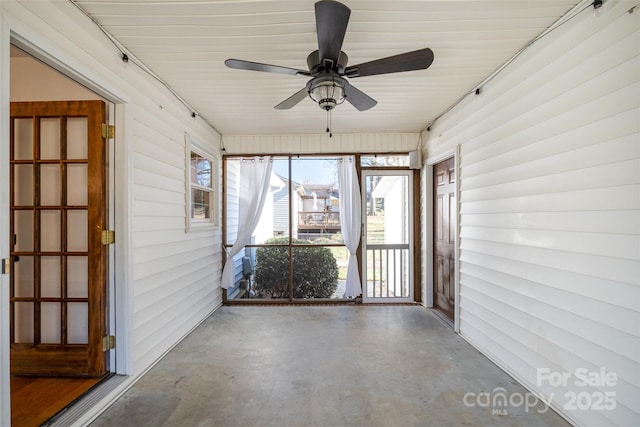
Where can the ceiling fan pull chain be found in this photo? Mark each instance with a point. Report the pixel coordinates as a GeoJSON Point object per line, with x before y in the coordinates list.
{"type": "Point", "coordinates": [328, 130]}
{"type": "Point", "coordinates": [330, 125]}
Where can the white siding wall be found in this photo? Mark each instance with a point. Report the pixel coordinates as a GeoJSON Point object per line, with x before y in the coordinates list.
{"type": "Point", "coordinates": [550, 210]}
{"type": "Point", "coordinates": [232, 195]}
{"type": "Point", "coordinates": [172, 277]}
{"type": "Point", "coordinates": [318, 144]}
{"type": "Point", "coordinates": [281, 210]}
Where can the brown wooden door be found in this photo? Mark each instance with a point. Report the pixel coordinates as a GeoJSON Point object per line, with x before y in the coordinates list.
{"type": "Point", "coordinates": [444, 211]}
{"type": "Point", "coordinates": [58, 262]}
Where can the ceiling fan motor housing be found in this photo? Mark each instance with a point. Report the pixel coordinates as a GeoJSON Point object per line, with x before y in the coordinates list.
{"type": "Point", "coordinates": [316, 66]}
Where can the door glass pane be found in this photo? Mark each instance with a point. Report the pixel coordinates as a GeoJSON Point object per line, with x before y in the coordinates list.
{"type": "Point", "coordinates": [23, 139]}
{"type": "Point", "coordinates": [77, 277]}
{"type": "Point", "coordinates": [50, 185]}
{"type": "Point", "coordinates": [50, 231]}
{"type": "Point", "coordinates": [23, 182]}
{"type": "Point", "coordinates": [77, 225]}
{"type": "Point", "coordinates": [77, 184]}
{"type": "Point", "coordinates": [23, 322]}
{"type": "Point", "coordinates": [50, 276]}
{"type": "Point", "coordinates": [77, 323]}
{"type": "Point", "coordinates": [77, 137]}
{"type": "Point", "coordinates": [23, 277]}
{"type": "Point", "coordinates": [23, 228]}
{"type": "Point", "coordinates": [387, 209]}
{"type": "Point", "coordinates": [49, 138]}
{"type": "Point", "coordinates": [50, 322]}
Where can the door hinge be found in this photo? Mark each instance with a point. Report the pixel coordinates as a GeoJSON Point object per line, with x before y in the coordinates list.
{"type": "Point", "coordinates": [108, 237]}
{"type": "Point", "coordinates": [108, 131]}
{"type": "Point", "coordinates": [108, 342]}
{"type": "Point", "coordinates": [6, 266]}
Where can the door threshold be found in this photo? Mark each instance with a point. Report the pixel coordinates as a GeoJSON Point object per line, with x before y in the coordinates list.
{"type": "Point", "coordinates": [443, 318]}
{"type": "Point", "coordinates": [77, 409]}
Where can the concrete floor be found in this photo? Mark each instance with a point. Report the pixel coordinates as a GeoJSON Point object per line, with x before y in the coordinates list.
{"type": "Point", "coordinates": [322, 366]}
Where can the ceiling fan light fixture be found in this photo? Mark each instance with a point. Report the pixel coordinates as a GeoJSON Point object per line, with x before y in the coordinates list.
{"type": "Point", "coordinates": [327, 91]}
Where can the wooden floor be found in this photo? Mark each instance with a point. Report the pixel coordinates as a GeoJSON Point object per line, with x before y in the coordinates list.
{"type": "Point", "coordinates": [36, 399]}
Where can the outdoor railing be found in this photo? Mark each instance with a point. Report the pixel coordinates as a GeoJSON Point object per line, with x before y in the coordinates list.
{"type": "Point", "coordinates": [387, 271]}
{"type": "Point", "coordinates": [319, 219]}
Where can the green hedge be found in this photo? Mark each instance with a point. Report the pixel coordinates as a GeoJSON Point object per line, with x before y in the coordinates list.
{"type": "Point", "coordinates": [315, 271]}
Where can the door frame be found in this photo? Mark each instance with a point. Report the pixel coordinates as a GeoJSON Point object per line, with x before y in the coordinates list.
{"type": "Point", "coordinates": [5, 347]}
{"type": "Point", "coordinates": [411, 200]}
{"type": "Point", "coordinates": [427, 197]}
{"type": "Point", "coordinates": [119, 306]}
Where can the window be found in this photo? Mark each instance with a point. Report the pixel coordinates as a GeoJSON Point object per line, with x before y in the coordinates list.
{"type": "Point", "coordinates": [201, 191]}
{"type": "Point", "coordinates": [296, 251]}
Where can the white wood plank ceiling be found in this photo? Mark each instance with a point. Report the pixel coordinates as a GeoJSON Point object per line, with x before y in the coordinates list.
{"type": "Point", "coordinates": [186, 42]}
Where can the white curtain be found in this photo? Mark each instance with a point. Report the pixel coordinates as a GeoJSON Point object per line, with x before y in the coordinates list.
{"type": "Point", "coordinates": [350, 219]}
{"type": "Point", "coordinates": [255, 174]}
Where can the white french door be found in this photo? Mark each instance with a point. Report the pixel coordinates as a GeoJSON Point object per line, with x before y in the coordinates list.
{"type": "Point", "coordinates": [387, 242]}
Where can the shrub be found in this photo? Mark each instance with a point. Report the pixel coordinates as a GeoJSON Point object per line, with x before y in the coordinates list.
{"type": "Point", "coordinates": [315, 271]}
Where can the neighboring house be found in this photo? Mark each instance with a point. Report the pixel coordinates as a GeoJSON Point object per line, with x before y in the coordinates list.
{"type": "Point", "coordinates": [319, 213]}
{"type": "Point", "coordinates": [547, 160]}
{"type": "Point", "coordinates": [281, 209]}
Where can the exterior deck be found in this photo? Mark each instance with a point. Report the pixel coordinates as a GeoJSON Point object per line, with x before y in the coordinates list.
{"type": "Point", "coordinates": [318, 222]}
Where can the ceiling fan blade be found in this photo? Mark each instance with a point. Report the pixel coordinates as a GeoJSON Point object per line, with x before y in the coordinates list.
{"type": "Point", "coordinates": [292, 100]}
{"type": "Point", "coordinates": [257, 66]}
{"type": "Point", "coordinates": [409, 61]}
{"type": "Point", "coordinates": [358, 98]}
{"type": "Point", "coordinates": [332, 19]}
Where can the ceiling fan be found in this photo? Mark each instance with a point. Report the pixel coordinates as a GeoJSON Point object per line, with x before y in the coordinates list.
{"type": "Point", "coordinates": [328, 68]}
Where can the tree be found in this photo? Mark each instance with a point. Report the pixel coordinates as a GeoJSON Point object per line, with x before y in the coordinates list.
{"type": "Point", "coordinates": [315, 270]}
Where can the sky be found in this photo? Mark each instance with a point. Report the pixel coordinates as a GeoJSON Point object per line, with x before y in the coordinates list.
{"type": "Point", "coordinates": [306, 170]}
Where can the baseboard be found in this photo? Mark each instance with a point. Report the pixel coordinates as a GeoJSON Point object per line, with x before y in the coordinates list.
{"type": "Point", "coordinates": [552, 404]}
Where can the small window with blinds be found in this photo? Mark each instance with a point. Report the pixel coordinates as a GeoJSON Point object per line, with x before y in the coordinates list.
{"type": "Point", "coordinates": [201, 192]}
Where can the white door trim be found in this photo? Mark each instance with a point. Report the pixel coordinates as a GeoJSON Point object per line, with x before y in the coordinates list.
{"type": "Point", "coordinates": [5, 354]}
{"type": "Point", "coordinates": [120, 304]}
{"type": "Point", "coordinates": [428, 231]}
{"type": "Point", "coordinates": [119, 309]}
